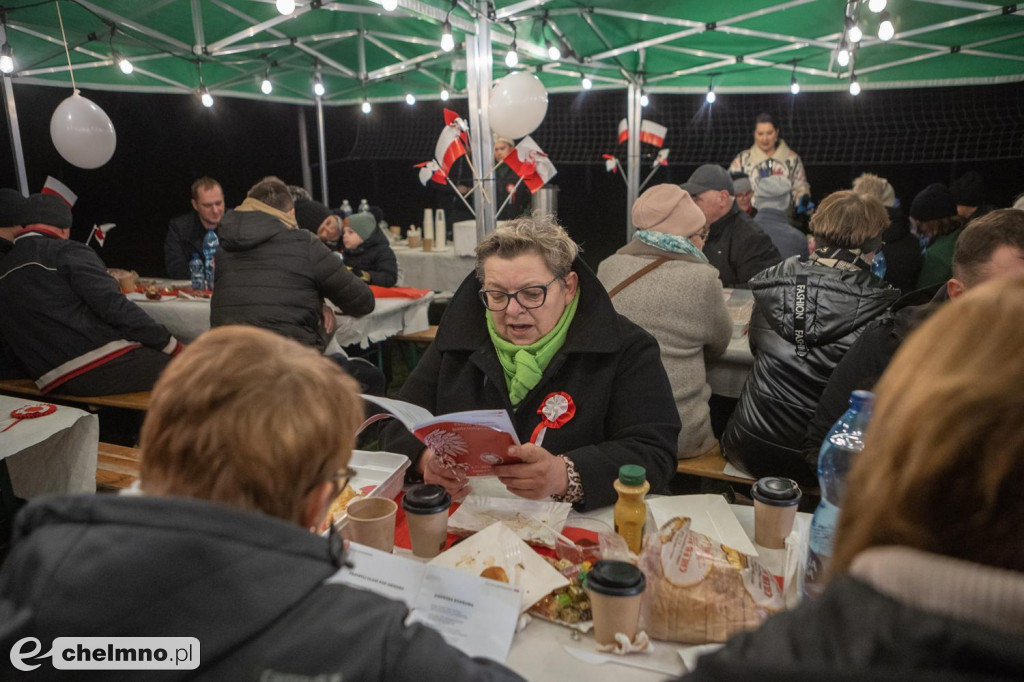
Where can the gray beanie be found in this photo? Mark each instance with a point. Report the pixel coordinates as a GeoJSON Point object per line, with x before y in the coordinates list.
{"type": "Point", "coordinates": [363, 224]}
{"type": "Point", "coordinates": [13, 207]}
{"type": "Point", "coordinates": [48, 209]}
{"type": "Point", "coordinates": [773, 192]}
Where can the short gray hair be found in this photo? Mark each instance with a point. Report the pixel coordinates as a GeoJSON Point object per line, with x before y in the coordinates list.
{"type": "Point", "coordinates": [540, 234]}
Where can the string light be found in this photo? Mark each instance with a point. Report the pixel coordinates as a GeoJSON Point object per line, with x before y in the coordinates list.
{"type": "Point", "coordinates": [206, 97]}
{"type": "Point", "coordinates": [365, 106]}
{"type": "Point", "coordinates": [512, 58]}
{"type": "Point", "coordinates": [445, 94]}
{"type": "Point", "coordinates": [794, 85]}
{"type": "Point", "coordinates": [843, 56]}
{"type": "Point", "coordinates": [854, 33]}
{"type": "Point", "coordinates": [586, 83]}
{"type": "Point", "coordinates": [410, 98]}
{"type": "Point", "coordinates": [710, 97]}
{"type": "Point", "coordinates": [644, 99]}
{"type": "Point", "coordinates": [876, 6]}
{"type": "Point", "coordinates": [447, 39]}
{"type": "Point", "coordinates": [266, 86]}
{"type": "Point", "coordinates": [318, 82]}
{"type": "Point", "coordinates": [285, 6]}
{"type": "Point", "coordinates": [6, 58]}
{"type": "Point", "coordinates": [389, 5]}
{"type": "Point", "coordinates": [885, 28]}
{"type": "Point", "coordinates": [554, 54]}
{"type": "Point", "coordinates": [122, 62]}
{"type": "Point", "coordinates": [854, 85]}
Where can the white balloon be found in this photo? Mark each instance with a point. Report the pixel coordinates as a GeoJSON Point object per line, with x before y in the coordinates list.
{"type": "Point", "coordinates": [82, 132]}
{"type": "Point", "coordinates": [518, 104]}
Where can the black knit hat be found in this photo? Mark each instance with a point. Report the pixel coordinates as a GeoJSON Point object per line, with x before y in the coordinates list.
{"type": "Point", "coordinates": [48, 209]}
{"type": "Point", "coordinates": [968, 189]}
{"type": "Point", "coordinates": [13, 207]}
{"type": "Point", "coordinates": [933, 202]}
{"type": "Point", "coordinates": [309, 214]}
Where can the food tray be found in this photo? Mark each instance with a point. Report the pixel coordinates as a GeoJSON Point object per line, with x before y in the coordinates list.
{"type": "Point", "coordinates": [381, 472]}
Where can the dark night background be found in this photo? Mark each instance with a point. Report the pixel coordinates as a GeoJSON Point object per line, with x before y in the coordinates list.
{"type": "Point", "coordinates": [164, 142]}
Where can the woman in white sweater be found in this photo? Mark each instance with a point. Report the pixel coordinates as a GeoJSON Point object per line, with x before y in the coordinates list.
{"type": "Point", "coordinates": [679, 301]}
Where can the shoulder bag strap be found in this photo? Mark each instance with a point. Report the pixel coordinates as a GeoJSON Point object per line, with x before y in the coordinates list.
{"type": "Point", "coordinates": [637, 275]}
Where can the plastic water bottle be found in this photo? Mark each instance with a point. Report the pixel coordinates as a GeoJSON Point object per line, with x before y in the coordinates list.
{"type": "Point", "coordinates": [346, 208]}
{"type": "Point", "coordinates": [837, 454]}
{"type": "Point", "coordinates": [878, 265]}
{"type": "Point", "coordinates": [210, 244]}
{"type": "Point", "coordinates": [364, 206]}
{"type": "Point", "coordinates": [197, 270]}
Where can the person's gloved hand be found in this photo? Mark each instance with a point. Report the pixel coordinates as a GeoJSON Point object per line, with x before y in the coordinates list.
{"type": "Point", "coordinates": [805, 206]}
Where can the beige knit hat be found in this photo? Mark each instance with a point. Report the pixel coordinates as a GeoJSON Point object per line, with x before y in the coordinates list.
{"type": "Point", "coordinates": [670, 209]}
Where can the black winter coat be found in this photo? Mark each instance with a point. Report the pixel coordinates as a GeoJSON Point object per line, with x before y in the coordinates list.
{"type": "Point", "coordinates": [374, 257]}
{"type": "Point", "coordinates": [184, 238]}
{"type": "Point", "coordinates": [902, 252]}
{"type": "Point", "coordinates": [739, 249]}
{"type": "Point", "coordinates": [273, 277]}
{"type": "Point", "coordinates": [251, 588]}
{"type": "Point", "coordinates": [766, 432]}
{"type": "Point", "coordinates": [625, 412]}
{"type": "Point", "coordinates": [854, 633]}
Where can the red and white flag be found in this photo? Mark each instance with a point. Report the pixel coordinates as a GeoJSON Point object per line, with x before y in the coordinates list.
{"type": "Point", "coordinates": [611, 164]}
{"type": "Point", "coordinates": [429, 170]}
{"type": "Point", "coordinates": [99, 232]}
{"type": "Point", "coordinates": [58, 188]}
{"type": "Point", "coordinates": [451, 144]}
{"type": "Point", "coordinates": [531, 164]}
{"type": "Point", "coordinates": [451, 118]}
{"type": "Point", "coordinates": [661, 159]}
{"type": "Point", "coordinates": [650, 132]}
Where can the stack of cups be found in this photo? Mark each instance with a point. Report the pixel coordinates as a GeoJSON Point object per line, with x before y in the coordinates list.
{"type": "Point", "coordinates": [775, 503]}
{"type": "Point", "coordinates": [426, 511]}
{"type": "Point", "coordinates": [615, 589]}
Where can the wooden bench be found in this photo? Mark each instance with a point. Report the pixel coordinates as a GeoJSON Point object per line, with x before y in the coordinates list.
{"type": "Point", "coordinates": [27, 387]}
{"type": "Point", "coordinates": [712, 465]}
{"type": "Point", "coordinates": [426, 336]}
{"type": "Point", "coordinates": [413, 344]}
{"type": "Point", "coordinates": [117, 467]}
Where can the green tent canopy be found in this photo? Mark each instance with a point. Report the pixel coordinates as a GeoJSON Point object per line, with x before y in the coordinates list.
{"type": "Point", "coordinates": [362, 51]}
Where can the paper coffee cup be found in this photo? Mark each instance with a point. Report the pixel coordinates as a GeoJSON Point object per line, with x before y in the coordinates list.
{"type": "Point", "coordinates": [775, 504]}
{"type": "Point", "coordinates": [426, 512]}
{"type": "Point", "coordinates": [615, 589]}
{"type": "Point", "coordinates": [428, 244]}
{"type": "Point", "coordinates": [414, 241]}
{"type": "Point", "coordinates": [371, 522]}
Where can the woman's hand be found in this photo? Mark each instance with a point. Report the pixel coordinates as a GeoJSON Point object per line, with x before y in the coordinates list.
{"type": "Point", "coordinates": [541, 474]}
{"type": "Point", "coordinates": [455, 482]}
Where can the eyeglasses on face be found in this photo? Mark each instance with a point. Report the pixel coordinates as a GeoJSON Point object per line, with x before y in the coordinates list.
{"type": "Point", "coordinates": [528, 297]}
{"type": "Point", "coordinates": [340, 478]}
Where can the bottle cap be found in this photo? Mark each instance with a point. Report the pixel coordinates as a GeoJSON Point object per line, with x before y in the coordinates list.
{"type": "Point", "coordinates": [426, 498]}
{"type": "Point", "coordinates": [858, 399]}
{"type": "Point", "coordinates": [776, 492]}
{"type": "Point", "coordinates": [616, 579]}
{"type": "Point", "coordinates": [632, 474]}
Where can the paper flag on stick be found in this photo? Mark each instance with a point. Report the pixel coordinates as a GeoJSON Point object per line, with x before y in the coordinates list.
{"type": "Point", "coordinates": [623, 131]}
{"type": "Point", "coordinates": [650, 132]}
{"type": "Point", "coordinates": [611, 164]}
{"type": "Point", "coordinates": [58, 188]}
{"type": "Point", "coordinates": [661, 159]}
{"type": "Point", "coordinates": [99, 232]}
{"type": "Point", "coordinates": [449, 148]}
{"type": "Point", "coordinates": [429, 170]}
{"type": "Point", "coordinates": [531, 164]}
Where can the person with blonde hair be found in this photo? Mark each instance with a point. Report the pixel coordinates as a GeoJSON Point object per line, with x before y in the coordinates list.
{"type": "Point", "coordinates": [533, 328]}
{"type": "Point", "coordinates": [679, 301]}
{"type": "Point", "coordinates": [247, 440]}
{"type": "Point", "coordinates": [927, 578]}
{"type": "Point", "coordinates": [807, 314]}
{"type": "Point", "coordinates": [900, 248]}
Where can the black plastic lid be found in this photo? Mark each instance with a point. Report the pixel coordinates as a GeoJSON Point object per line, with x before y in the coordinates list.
{"type": "Point", "coordinates": [426, 498]}
{"type": "Point", "coordinates": [775, 491]}
{"type": "Point", "coordinates": [616, 578]}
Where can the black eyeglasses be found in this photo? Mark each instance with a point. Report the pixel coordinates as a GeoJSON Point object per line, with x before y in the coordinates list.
{"type": "Point", "coordinates": [340, 478]}
{"type": "Point", "coordinates": [528, 297]}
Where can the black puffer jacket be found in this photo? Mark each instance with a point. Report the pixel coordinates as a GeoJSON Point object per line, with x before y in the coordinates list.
{"type": "Point", "coordinates": [251, 588]}
{"type": "Point", "coordinates": [273, 277]}
{"type": "Point", "coordinates": [375, 258]}
{"type": "Point", "coordinates": [902, 252]}
{"type": "Point", "coordinates": [765, 432]}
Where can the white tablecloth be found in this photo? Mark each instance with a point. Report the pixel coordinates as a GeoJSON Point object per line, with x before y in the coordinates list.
{"type": "Point", "coordinates": [188, 319]}
{"type": "Point", "coordinates": [51, 454]}
{"type": "Point", "coordinates": [436, 270]}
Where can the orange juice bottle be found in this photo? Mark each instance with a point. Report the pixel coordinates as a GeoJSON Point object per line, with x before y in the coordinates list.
{"type": "Point", "coordinates": [630, 510]}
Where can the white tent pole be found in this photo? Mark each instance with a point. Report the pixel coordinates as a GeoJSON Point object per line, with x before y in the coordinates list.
{"type": "Point", "coordinates": [13, 128]}
{"type": "Point", "coordinates": [478, 81]}
{"type": "Point", "coordinates": [307, 172]}
{"type": "Point", "coordinates": [322, 144]}
{"type": "Point", "coordinates": [633, 115]}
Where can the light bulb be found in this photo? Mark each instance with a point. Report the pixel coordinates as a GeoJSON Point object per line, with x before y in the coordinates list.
{"type": "Point", "coordinates": [447, 40]}
{"type": "Point", "coordinates": [876, 6]}
{"type": "Point", "coordinates": [794, 86]}
{"type": "Point", "coordinates": [410, 99]}
{"type": "Point", "coordinates": [445, 95]}
{"type": "Point", "coordinates": [7, 59]}
{"type": "Point", "coordinates": [122, 63]}
{"type": "Point", "coordinates": [365, 107]}
{"type": "Point", "coordinates": [206, 97]}
{"type": "Point", "coordinates": [855, 34]}
{"type": "Point", "coordinates": [554, 54]}
{"type": "Point", "coordinates": [711, 96]}
{"type": "Point", "coordinates": [885, 29]}
{"type": "Point", "coordinates": [266, 86]}
{"type": "Point", "coordinates": [285, 6]}
{"type": "Point", "coordinates": [318, 88]}
{"type": "Point", "coordinates": [512, 58]}
{"type": "Point", "coordinates": [843, 56]}
{"type": "Point", "coordinates": [587, 83]}
{"type": "Point", "coordinates": [854, 86]}
{"type": "Point", "coordinates": [389, 5]}
{"type": "Point", "coordinates": [644, 100]}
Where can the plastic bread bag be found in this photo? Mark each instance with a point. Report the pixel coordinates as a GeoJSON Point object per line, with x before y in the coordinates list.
{"type": "Point", "coordinates": [700, 591]}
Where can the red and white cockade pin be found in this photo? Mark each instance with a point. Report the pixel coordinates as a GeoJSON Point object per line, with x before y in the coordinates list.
{"type": "Point", "coordinates": [555, 412]}
{"type": "Point", "coordinates": [30, 412]}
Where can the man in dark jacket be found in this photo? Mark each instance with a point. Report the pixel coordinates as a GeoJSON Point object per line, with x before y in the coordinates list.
{"type": "Point", "coordinates": [368, 253]}
{"type": "Point", "coordinates": [735, 245]}
{"type": "Point", "coordinates": [65, 318]}
{"type": "Point", "coordinates": [12, 217]}
{"type": "Point", "coordinates": [771, 196]}
{"type": "Point", "coordinates": [273, 275]}
{"type": "Point", "coordinates": [185, 233]}
{"type": "Point", "coordinates": [247, 441]}
{"type": "Point", "coordinates": [992, 246]}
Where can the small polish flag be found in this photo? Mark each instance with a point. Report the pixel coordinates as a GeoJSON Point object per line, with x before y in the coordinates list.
{"type": "Point", "coordinates": [58, 188]}
{"type": "Point", "coordinates": [531, 164]}
{"type": "Point", "coordinates": [652, 133]}
{"type": "Point", "coordinates": [429, 170]}
{"type": "Point", "coordinates": [611, 164]}
{"type": "Point", "coordinates": [453, 119]}
{"type": "Point", "coordinates": [449, 147]}
{"type": "Point", "coordinates": [661, 159]}
{"type": "Point", "coordinates": [99, 232]}
{"type": "Point", "coordinates": [623, 131]}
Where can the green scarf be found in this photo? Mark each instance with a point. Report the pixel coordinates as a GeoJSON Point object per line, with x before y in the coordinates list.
{"type": "Point", "coordinates": [671, 243]}
{"type": "Point", "coordinates": [524, 365]}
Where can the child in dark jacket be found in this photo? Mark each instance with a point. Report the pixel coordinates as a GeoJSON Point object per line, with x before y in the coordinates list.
{"type": "Point", "coordinates": [367, 251]}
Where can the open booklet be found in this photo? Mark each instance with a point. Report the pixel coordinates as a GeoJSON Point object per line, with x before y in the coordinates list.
{"type": "Point", "coordinates": [472, 441]}
{"type": "Point", "coordinates": [473, 614]}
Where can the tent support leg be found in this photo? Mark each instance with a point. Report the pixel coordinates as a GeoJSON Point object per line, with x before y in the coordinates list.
{"type": "Point", "coordinates": [478, 81]}
{"type": "Point", "coordinates": [633, 116]}
{"type": "Point", "coordinates": [14, 129]}
{"type": "Point", "coordinates": [322, 144]}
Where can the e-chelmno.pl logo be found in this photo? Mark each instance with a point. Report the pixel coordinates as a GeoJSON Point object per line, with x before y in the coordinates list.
{"type": "Point", "coordinates": [109, 653]}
